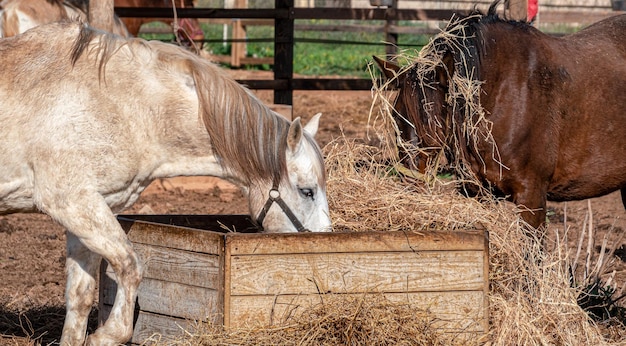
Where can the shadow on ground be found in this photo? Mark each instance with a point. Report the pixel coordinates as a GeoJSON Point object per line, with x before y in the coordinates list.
{"type": "Point", "coordinates": [38, 326]}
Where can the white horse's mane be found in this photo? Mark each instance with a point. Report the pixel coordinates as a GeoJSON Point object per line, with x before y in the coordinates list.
{"type": "Point", "coordinates": [247, 136]}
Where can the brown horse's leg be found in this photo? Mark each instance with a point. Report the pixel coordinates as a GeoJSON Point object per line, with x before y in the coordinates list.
{"type": "Point", "coordinates": [535, 217]}
{"type": "Point", "coordinates": [532, 202]}
{"type": "Point", "coordinates": [533, 211]}
{"type": "Point", "coordinates": [623, 190]}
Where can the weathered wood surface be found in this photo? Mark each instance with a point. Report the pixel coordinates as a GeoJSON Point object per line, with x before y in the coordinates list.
{"type": "Point", "coordinates": [170, 299]}
{"type": "Point", "coordinates": [357, 272]}
{"type": "Point", "coordinates": [175, 265]}
{"type": "Point", "coordinates": [176, 237]}
{"type": "Point", "coordinates": [268, 278]}
{"type": "Point", "coordinates": [292, 243]}
{"type": "Point", "coordinates": [154, 329]}
{"type": "Point", "coordinates": [455, 310]}
{"type": "Point", "coordinates": [259, 279]}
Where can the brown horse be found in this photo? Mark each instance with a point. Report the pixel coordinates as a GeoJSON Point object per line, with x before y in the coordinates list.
{"type": "Point", "coordinates": [187, 29]}
{"type": "Point", "coordinates": [528, 116]}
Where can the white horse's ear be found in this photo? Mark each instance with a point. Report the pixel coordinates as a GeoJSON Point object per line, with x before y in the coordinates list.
{"type": "Point", "coordinates": [313, 124]}
{"type": "Point", "coordinates": [294, 136]}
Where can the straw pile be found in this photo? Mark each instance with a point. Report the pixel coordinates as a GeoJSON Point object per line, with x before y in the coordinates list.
{"type": "Point", "coordinates": [531, 300]}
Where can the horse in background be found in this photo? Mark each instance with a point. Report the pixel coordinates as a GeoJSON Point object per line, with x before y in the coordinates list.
{"type": "Point", "coordinates": [187, 30]}
{"type": "Point", "coordinates": [17, 16]}
{"type": "Point", "coordinates": [20, 15]}
{"type": "Point", "coordinates": [96, 117]}
{"type": "Point", "coordinates": [527, 116]}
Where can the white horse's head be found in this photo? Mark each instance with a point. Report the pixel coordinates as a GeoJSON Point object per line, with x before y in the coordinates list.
{"type": "Point", "coordinates": [297, 202]}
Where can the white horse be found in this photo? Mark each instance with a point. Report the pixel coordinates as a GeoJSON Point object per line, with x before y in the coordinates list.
{"type": "Point", "coordinates": [88, 120]}
{"type": "Point", "coordinates": [17, 16]}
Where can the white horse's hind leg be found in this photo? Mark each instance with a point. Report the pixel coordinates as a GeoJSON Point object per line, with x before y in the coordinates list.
{"type": "Point", "coordinates": [82, 267]}
{"type": "Point", "coordinates": [88, 217]}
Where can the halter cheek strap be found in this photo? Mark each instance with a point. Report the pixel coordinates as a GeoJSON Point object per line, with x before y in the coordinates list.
{"type": "Point", "coordinates": [274, 197]}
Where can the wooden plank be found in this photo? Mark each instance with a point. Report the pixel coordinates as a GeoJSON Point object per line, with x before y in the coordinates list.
{"type": "Point", "coordinates": [246, 22]}
{"type": "Point", "coordinates": [286, 13]}
{"type": "Point", "coordinates": [338, 27]}
{"type": "Point", "coordinates": [168, 12]}
{"type": "Point", "coordinates": [319, 27]}
{"type": "Point", "coordinates": [243, 60]}
{"type": "Point", "coordinates": [217, 223]}
{"type": "Point", "coordinates": [368, 14]}
{"type": "Point", "coordinates": [153, 329]}
{"type": "Point", "coordinates": [267, 243]}
{"type": "Point", "coordinates": [257, 84]}
{"type": "Point", "coordinates": [485, 289]}
{"type": "Point", "coordinates": [174, 265]}
{"type": "Point", "coordinates": [238, 49]}
{"type": "Point", "coordinates": [331, 84]}
{"type": "Point", "coordinates": [170, 299]}
{"type": "Point", "coordinates": [284, 51]}
{"type": "Point", "coordinates": [228, 273]}
{"type": "Point", "coordinates": [309, 84]}
{"type": "Point", "coordinates": [454, 311]}
{"type": "Point", "coordinates": [357, 272]}
{"type": "Point", "coordinates": [173, 236]}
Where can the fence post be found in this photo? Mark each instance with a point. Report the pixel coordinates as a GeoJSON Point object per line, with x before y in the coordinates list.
{"type": "Point", "coordinates": [238, 48]}
{"type": "Point", "coordinates": [283, 51]}
{"type": "Point", "coordinates": [391, 38]}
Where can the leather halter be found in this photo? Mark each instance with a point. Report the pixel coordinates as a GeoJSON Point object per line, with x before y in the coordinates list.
{"type": "Point", "coordinates": [274, 197]}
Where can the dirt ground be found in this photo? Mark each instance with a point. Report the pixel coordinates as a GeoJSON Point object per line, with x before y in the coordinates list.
{"type": "Point", "coordinates": [32, 247]}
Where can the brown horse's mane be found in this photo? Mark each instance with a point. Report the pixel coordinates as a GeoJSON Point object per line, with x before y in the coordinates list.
{"type": "Point", "coordinates": [453, 59]}
{"type": "Point", "coordinates": [468, 35]}
{"type": "Point", "coordinates": [249, 139]}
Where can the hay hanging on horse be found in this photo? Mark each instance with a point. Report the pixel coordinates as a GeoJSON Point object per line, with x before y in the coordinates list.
{"type": "Point", "coordinates": [453, 126]}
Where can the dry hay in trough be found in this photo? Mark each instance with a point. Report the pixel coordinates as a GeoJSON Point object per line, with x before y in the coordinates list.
{"type": "Point", "coordinates": [340, 320]}
{"type": "Point", "coordinates": [531, 300]}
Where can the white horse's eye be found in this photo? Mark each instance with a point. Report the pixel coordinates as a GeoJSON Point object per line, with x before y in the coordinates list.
{"type": "Point", "coordinates": [307, 193]}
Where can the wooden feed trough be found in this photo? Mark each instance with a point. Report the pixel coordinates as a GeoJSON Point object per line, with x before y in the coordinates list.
{"type": "Point", "coordinates": [194, 271]}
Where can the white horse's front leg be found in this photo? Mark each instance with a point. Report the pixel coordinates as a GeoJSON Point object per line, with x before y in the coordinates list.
{"type": "Point", "coordinates": [118, 328]}
{"type": "Point", "coordinates": [81, 267]}
{"type": "Point", "coordinates": [128, 269]}
{"type": "Point", "coordinates": [93, 224]}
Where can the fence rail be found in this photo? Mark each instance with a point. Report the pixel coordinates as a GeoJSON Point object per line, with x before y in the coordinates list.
{"type": "Point", "coordinates": [284, 14]}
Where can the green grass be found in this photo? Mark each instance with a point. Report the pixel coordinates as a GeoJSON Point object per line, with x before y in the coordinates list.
{"type": "Point", "coordinates": [347, 58]}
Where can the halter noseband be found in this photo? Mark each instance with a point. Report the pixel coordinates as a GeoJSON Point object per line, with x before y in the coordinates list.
{"type": "Point", "coordinates": [274, 197]}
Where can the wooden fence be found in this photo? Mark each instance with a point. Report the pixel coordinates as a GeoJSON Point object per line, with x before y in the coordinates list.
{"type": "Point", "coordinates": [285, 13]}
